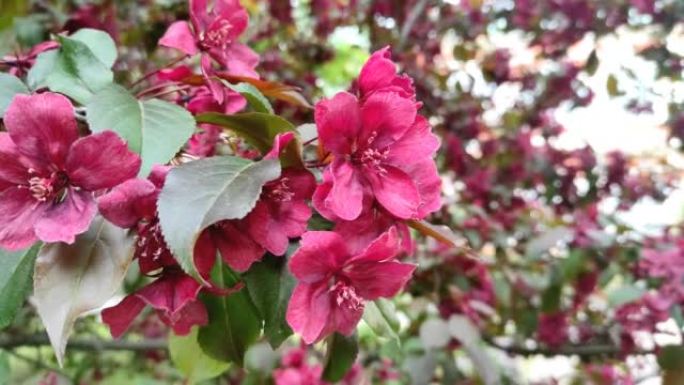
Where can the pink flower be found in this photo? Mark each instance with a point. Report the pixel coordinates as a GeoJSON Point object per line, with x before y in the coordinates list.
{"type": "Point", "coordinates": [280, 214]}
{"type": "Point", "coordinates": [48, 175]}
{"type": "Point", "coordinates": [381, 149]}
{"type": "Point", "coordinates": [334, 284]}
{"type": "Point", "coordinates": [303, 375]}
{"type": "Point", "coordinates": [214, 33]}
{"type": "Point", "coordinates": [173, 294]}
{"type": "Point", "coordinates": [380, 74]}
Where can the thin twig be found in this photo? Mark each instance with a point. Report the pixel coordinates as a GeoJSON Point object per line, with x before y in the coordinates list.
{"type": "Point", "coordinates": [411, 19]}
{"type": "Point", "coordinates": [570, 350]}
{"type": "Point", "coordinates": [10, 342]}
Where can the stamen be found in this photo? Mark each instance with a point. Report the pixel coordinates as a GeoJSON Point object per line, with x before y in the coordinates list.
{"type": "Point", "coordinates": [345, 296]}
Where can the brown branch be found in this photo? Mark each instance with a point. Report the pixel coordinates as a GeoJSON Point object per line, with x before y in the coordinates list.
{"type": "Point", "coordinates": [411, 19]}
{"type": "Point", "coordinates": [568, 350]}
{"type": "Point", "coordinates": [10, 342]}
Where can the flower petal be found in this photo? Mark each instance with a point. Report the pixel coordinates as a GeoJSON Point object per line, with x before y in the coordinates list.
{"type": "Point", "coordinates": [180, 37]}
{"type": "Point", "coordinates": [265, 231]}
{"type": "Point", "coordinates": [385, 117]}
{"type": "Point", "coordinates": [308, 311]}
{"type": "Point", "coordinates": [120, 317]}
{"type": "Point", "coordinates": [129, 202]}
{"type": "Point", "coordinates": [418, 142]}
{"type": "Point", "coordinates": [320, 254]}
{"type": "Point", "coordinates": [395, 191]}
{"type": "Point", "coordinates": [43, 127]}
{"type": "Point", "coordinates": [346, 196]}
{"type": "Point", "coordinates": [101, 161]}
{"type": "Point", "coordinates": [242, 61]}
{"type": "Point", "coordinates": [192, 314]}
{"type": "Point", "coordinates": [378, 72]}
{"type": "Point", "coordinates": [19, 211]}
{"type": "Point", "coordinates": [338, 122]}
{"type": "Point", "coordinates": [379, 279]}
{"type": "Point", "coordinates": [170, 292]}
{"type": "Point", "coordinates": [63, 221]}
{"type": "Point", "coordinates": [383, 248]}
{"type": "Point", "coordinates": [344, 320]}
{"type": "Point", "coordinates": [426, 178]}
{"type": "Point", "coordinates": [237, 248]}
{"type": "Point", "coordinates": [12, 171]}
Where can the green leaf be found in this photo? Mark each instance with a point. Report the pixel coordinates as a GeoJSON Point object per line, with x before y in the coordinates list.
{"type": "Point", "coordinates": [259, 130]}
{"type": "Point", "coordinates": [380, 317]}
{"type": "Point", "coordinates": [671, 357]}
{"type": "Point", "coordinates": [624, 294]}
{"type": "Point", "coordinates": [188, 357]}
{"type": "Point", "coordinates": [78, 73]}
{"type": "Point", "coordinates": [43, 66]}
{"type": "Point", "coordinates": [16, 274]}
{"type": "Point", "coordinates": [254, 97]}
{"type": "Point", "coordinates": [153, 128]}
{"type": "Point", "coordinates": [270, 285]}
{"type": "Point", "coordinates": [200, 193]}
{"type": "Point", "coordinates": [573, 264]}
{"type": "Point", "coordinates": [10, 85]}
{"type": "Point", "coordinates": [234, 322]}
{"type": "Point", "coordinates": [72, 279]}
{"type": "Point", "coordinates": [551, 298]}
{"type": "Point", "coordinates": [99, 43]}
{"type": "Point", "coordinates": [340, 357]}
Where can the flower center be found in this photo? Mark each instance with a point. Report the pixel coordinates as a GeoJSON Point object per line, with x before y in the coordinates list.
{"type": "Point", "coordinates": [151, 247]}
{"type": "Point", "coordinates": [218, 37]}
{"type": "Point", "coordinates": [370, 156]}
{"type": "Point", "coordinates": [51, 187]}
{"type": "Point", "coordinates": [280, 190]}
{"type": "Point", "coordinates": [345, 297]}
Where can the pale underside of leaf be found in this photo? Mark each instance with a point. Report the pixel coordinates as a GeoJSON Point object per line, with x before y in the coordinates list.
{"type": "Point", "coordinates": [70, 280]}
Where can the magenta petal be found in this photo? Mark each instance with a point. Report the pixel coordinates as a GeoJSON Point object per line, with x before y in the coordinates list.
{"type": "Point", "coordinates": [192, 314]}
{"type": "Point", "coordinates": [345, 319]}
{"type": "Point", "coordinates": [385, 117]}
{"type": "Point", "coordinates": [170, 292]}
{"type": "Point", "coordinates": [101, 161]}
{"type": "Point", "coordinates": [120, 317]}
{"type": "Point", "coordinates": [346, 196]}
{"type": "Point", "coordinates": [12, 172]}
{"type": "Point", "coordinates": [19, 211]}
{"type": "Point", "coordinates": [321, 194]}
{"type": "Point", "coordinates": [42, 126]}
{"type": "Point", "coordinates": [379, 279]}
{"type": "Point", "coordinates": [63, 221]}
{"type": "Point", "coordinates": [320, 254]}
{"type": "Point", "coordinates": [265, 231]}
{"type": "Point", "coordinates": [242, 61]}
{"type": "Point", "coordinates": [237, 248]}
{"type": "Point", "coordinates": [395, 191]}
{"type": "Point", "coordinates": [384, 247]}
{"type": "Point", "coordinates": [279, 143]}
{"type": "Point", "coordinates": [426, 178]}
{"type": "Point", "coordinates": [308, 311]}
{"type": "Point", "coordinates": [180, 37]}
{"type": "Point", "coordinates": [198, 14]}
{"type": "Point", "coordinates": [204, 254]}
{"type": "Point", "coordinates": [378, 72]}
{"type": "Point", "coordinates": [129, 202]}
{"type": "Point", "coordinates": [417, 143]}
{"type": "Point", "coordinates": [338, 122]}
